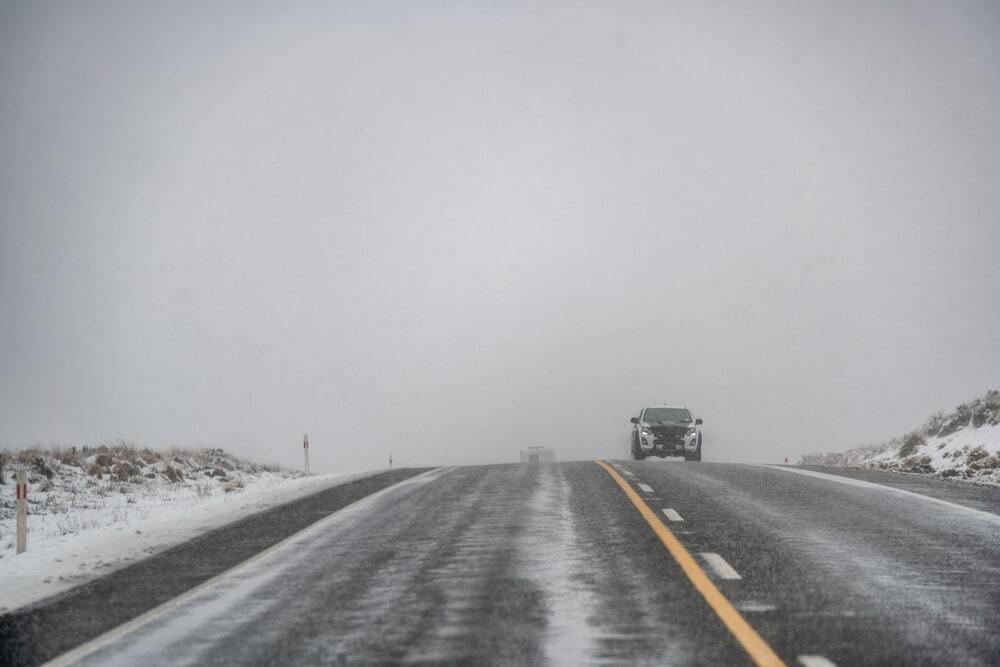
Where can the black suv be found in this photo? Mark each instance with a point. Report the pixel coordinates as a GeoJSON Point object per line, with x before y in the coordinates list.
{"type": "Point", "coordinates": [666, 430]}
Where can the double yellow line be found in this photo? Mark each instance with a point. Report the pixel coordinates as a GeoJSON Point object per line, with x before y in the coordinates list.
{"type": "Point", "coordinates": [757, 648]}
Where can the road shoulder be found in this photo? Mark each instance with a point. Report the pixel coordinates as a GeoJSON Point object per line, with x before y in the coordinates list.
{"type": "Point", "coordinates": [28, 635]}
{"type": "Point", "coordinates": [974, 496]}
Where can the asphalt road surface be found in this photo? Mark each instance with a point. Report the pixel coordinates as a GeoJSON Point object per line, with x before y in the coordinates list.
{"type": "Point", "coordinates": [558, 563]}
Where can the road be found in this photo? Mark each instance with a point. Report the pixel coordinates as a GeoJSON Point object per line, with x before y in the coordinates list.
{"type": "Point", "coordinates": [555, 563]}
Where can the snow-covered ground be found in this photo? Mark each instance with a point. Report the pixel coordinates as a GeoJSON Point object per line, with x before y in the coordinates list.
{"type": "Point", "coordinates": [963, 445]}
{"type": "Point", "coordinates": [81, 526]}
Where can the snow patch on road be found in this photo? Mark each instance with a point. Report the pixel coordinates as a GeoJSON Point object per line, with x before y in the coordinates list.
{"type": "Point", "coordinates": [549, 547]}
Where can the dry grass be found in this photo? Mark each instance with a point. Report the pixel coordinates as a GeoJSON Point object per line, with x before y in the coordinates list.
{"type": "Point", "coordinates": [122, 461]}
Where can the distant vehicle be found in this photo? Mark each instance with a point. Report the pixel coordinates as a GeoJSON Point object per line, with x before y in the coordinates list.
{"type": "Point", "coordinates": [666, 430]}
{"type": "Point", "coordinates": [537, 455]}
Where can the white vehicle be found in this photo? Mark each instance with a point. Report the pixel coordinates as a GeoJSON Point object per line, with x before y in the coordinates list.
{"type": "Point", "coordinates": [666, 430]}
{"type": "Point", "coordinates": [537, 455]}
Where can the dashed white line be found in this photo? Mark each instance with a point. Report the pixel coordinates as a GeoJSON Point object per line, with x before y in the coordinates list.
{"type": "Point", "coordinates": [672, 514]}
{"type": "Point", "coordinates": [815, 661]}
{"type": "Point", "coordinates": [646, 488]}
{"type": "Point", "coordinates": [720, 566]}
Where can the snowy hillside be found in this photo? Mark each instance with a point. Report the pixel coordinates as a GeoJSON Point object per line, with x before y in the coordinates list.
{"type": "Point", "coordinates": [93, 509]}
{"type": "Point", "coordinates": [77, 488]}
{"type": "Point", "coordinates": [964, 444]}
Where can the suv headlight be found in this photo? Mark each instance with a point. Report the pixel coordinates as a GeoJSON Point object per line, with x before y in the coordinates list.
{"type": "Point", "coordinates": [646, 430]}
{"type": "Point", "coordinates": [691, 431]}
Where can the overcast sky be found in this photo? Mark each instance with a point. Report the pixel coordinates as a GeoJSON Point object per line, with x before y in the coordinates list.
{"type": "Point", "coordinates": [450, 230]}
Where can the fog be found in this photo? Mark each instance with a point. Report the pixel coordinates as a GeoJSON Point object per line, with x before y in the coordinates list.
{"type": "Point", "coordinates": [446, 231]}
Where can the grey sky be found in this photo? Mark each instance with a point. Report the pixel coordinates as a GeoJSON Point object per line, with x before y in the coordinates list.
{"type": "Point", "coordinates": [451, 230]}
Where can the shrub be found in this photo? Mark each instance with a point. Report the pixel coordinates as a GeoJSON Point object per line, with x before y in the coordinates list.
{"type": "Point", "coordinates": [27, 456]}
{"type": "Point", "coordinates": [42, 468]}
{"type": "Point", "coordinates": [992, 402]}
{"type": "Point", "coordinates": [985, 463]}
{"type": "Point", "coordinates": [125, 470]}
{"type": "Point", "coordinates": [919, 464]}
{"type": "Point", "coordinates": [934, 424]}
{"type": "Point", "coordinates": [126, 450]}
{"type": "Point", "coordinates": [910, 444]}
{"type": "Point", "coordinates": [980, 413]}
{"type": "Point", "coordinates": [977, 453]}
{"type": "Point", "coordinates": [232, 486]}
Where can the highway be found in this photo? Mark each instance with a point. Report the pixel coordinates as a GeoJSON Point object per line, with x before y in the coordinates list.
{"type": "Point", "coordinates": [622, 563]}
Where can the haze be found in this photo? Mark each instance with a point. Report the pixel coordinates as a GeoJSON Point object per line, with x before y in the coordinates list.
{"type": "Point", "coordinates": [450, 230]}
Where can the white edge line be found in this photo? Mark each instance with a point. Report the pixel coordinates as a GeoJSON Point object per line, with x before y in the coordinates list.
{"type": "Point", "coordinates": [120, 631]}
{"type": "Point", "coordinates": [672, 514]}
{"type": "Point", "coordinates": [720, 566]}
{"type": "Point", "coordinates": [850, 481]}
{"type": "Point", "coordinates": [815, 661]}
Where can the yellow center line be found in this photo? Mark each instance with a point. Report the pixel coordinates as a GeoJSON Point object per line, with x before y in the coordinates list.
{"type": "Point", "coordinates": [759, 651]}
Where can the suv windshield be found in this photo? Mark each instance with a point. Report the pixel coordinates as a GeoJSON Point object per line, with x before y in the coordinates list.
{"type": "Point", "coordinates": [666, 415]}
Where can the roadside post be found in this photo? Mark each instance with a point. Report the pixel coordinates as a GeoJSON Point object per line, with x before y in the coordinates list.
{"type": "Point", "coordinates": [22, 511]}
{"type": "Point", "coordinates": [305, 450]}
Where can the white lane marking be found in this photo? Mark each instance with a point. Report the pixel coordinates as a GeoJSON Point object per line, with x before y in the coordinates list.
{"type": "Point", "coordinates": [849, 481]}
{"type": "Point", "coordinates": [721, 567]}
{"type": "Point", "coordinates": [628, 473]}
{"type": "Point", "coordinates": [109, 637]}
{"type": "Point", "coordinates": [646, 488]}
{"type": "Point", "coordinates": [815, 661]}
{"type": "Point", "coordinates": [672, 514]}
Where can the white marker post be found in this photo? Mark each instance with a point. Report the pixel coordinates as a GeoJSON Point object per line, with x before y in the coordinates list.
{"type": "Point", "coordinates": [22, 511]}
{"type": "Point", "coordinates": [305, 450]}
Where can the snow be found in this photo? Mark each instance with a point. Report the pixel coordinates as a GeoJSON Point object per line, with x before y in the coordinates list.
{"type": "Point", "coordinates": [944, 451]}
{"type": "Point", "coordinates": [81, 528]}
{"type": "Point", "coordinates": [963, 445]}
{"type": "Point", "coordinates": [553, 560]}
{"type": "Point", "coordinates": [970, 454]}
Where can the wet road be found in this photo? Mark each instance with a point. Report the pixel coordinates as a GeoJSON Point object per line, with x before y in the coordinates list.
{"type": "Point", "coordinates": [554, 563]}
